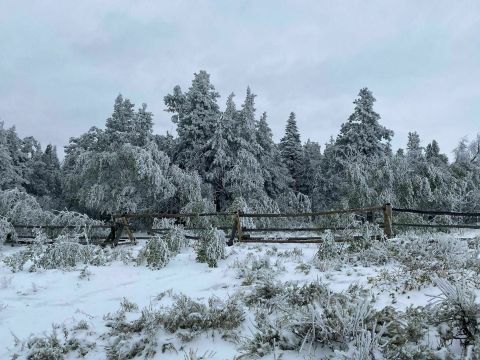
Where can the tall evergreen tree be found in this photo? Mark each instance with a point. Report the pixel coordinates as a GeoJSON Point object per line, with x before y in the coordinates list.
{"type": "Point", "coordinates": [362, 133]}
{"type": "Point", "coordinates": [195, 114]}
{"type": "Point", "coordinates": [275, 173]}
{"type": "Point", "coordinates": [310, 173]}
{"type": "Point", "coordinates": [11, 174]}
{"type": "Point", "coordinates": [432, 153]}
{"type": "Point", "coordinates": [119, 126]}
{"type": "Point", "coordinates": [291, 149]}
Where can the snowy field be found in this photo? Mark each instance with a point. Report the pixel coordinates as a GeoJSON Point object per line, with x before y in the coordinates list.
{"type": "Point", "coordinates": [102, 307]}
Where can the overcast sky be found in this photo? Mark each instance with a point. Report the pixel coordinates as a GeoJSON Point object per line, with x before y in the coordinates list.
{"type": "Point", "coordinates": [62, 63]}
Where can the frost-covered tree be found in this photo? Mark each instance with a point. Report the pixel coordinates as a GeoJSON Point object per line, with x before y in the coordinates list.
{"type": "Point", "coordinates": [362, 133]}
{"type": "Point", "coordinates": [291, 149]}
{"type": "Point", "coordinates": [245, 179]}
{"type": "Point", "coordinates": [432, 153]}
{"type": "Point", "coordinates": [106, 171]}
{"type": "Point", "coordinates": [245, 176]}
{"type": "Point", "coordinates": [246, 125]}
{"type": "Point", "coordinates": [275, 173]}
{"type": "Point", "coordinates": [466, 171]}
{"type": "Point", "coordinates": [44, 174]}
{"type": "Point", "coordinates": [195, 113]}
{"type": "Point", "coordinates": [221, 153]}
{"type": "Point", "coordinates": [13, 164]}
{"type": "Point", "coordinates": [414, 150]}
{"type": "Point", "coordinates": [219, 162]}
{"type": "Point", "coordinates": [11, 175]}
{"type": "Point", "coordinates": [310, 169]}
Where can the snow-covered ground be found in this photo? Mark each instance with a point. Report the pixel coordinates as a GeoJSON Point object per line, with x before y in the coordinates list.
{"type": "Point", "coordinates": [30, 302]}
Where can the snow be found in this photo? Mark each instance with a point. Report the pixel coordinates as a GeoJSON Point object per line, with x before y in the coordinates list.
{"type": "Point", "coordinates": [31, 302]}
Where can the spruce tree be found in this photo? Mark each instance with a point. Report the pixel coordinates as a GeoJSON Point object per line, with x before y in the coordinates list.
{"type": "Point", "coordinates": [362, 133]}
{"type": "Point", "coordinates": [310, 173]}
{"type": "Point", "coordinates": [195, 114]}
{"type": "Point", "coordinates": [275, 173]}
{"type": "Point", "coordinates": [291, 149]}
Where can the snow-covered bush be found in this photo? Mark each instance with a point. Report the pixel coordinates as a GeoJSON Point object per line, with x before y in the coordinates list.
{"type": "Point", "coordinates": [76, 224]}
{"type": "Point", "coordinates": [328, 248]}
{"type": "Point", "coordinates": [21, 208]}
{"type": "Point", "coordinates": [62, 254]}
{"type": "Point", "coordinates": [65, 254]}
{"type": "Point", "coordinates": [174, 236]}
{"type": "Point", "coordinates": [456, 313]}
{"type": "Point", "coordinates": [175, 239]}
{"type": "Point", "coordinates": [254, 269]}
{"type": "Point", "coordinates": [210, 248]}
{"type": "Point", "coordinates": [186, 318]}
{"type": "Point", "coordinates": [295, 317]}
{"type": "Point", "coordinates": [155, 253]}
{"type": "Point", "coordinates": [53, 346]}
{"type": "Point", "coordinates": [7, 231]}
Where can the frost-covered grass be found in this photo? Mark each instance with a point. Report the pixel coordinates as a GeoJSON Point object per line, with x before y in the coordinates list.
{"type": "Point", "coordinates": [415, 296]}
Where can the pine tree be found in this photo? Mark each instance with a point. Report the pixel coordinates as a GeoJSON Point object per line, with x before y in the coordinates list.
{"type": "Point", "coordinates": [246, 125]}
{"type": "Point", "coordinates": [310, 173]}
{"type": "Point", "coordinates": [414, 150]}
{"type": "Point", "coordinates": [195, 114]}
{"type": "Point", "coordinates": [245, 176]}
{"type": "Point", "coordinates": [219, 163]}
{"type": "Point", "coordinates": [11, 175]}
{"type": "Point", "coordinates": [142, 127]}
{"type": "Point", "coordinates": [291, 149]}
{"type": "Point", "coordinates": [275, 173]}
{"type": "Point", "coordinates": [362, 133]}
{"type": "Point", "coordinates": [119, 127]}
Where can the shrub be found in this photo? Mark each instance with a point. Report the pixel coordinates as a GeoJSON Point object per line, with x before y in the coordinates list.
{"type": "Point", "coordinates": [54, 347]}
{"type": "Point", "coordinates": [328, 248]}
{"type": "Point", "coordinates": [155, 253]}
{"type": "Point", "coordinates": [7, 231]}
{"type": "Point", "coordinates": [175, 239]}
{"type": "Point", "coordinates": [63, 254]}
{"type": "Point", "coordinates": [211, 246]}
{"type": "Point", "coordinates": [456, 313]}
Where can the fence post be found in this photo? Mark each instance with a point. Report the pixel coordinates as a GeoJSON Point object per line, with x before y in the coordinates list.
{"type": "Point", "coordinates": [129, 232]}
{"type": "Point", "coordinates": [387, 220]}
{"type": "Point", "coordinates": [239, 226]}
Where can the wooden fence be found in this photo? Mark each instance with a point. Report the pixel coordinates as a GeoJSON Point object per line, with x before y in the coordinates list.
{"type": "Point", "coordinates": [238, 232]}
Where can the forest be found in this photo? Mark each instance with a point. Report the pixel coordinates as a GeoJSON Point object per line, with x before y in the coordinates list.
{"type": "Point", "coordinates": [225, 158]}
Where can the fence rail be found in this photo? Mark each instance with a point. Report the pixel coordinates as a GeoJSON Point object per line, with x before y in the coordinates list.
{"type": "Point", "coordinates": [435, 212]}
{"type": "Point", "coordinates": [241, 233]}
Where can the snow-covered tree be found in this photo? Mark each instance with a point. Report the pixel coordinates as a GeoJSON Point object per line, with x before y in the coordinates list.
{"type": "Point", "coordinates": [310, 170]}
{"type": "Point", "coordinates": [362, 133]}
{"type": "Point", "coordinates": [11, 175]}
{"type": "Point", "coordinates": [106, 171]}
{"type": "Point", "coordinates": [195, 113]}
{"type": "Point", "coordinates": [275, 173]}
{"type": "Point", "coordinates": [291, 149]}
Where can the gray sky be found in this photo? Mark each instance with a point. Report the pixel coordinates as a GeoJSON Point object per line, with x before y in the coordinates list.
{"type": "Point", "coordinates": [62, 63]}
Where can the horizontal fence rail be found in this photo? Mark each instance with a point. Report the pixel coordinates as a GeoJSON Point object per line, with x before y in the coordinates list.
{"type": "Point", "coordinates": [168, 215]}
{"type": "Point", "coordinates": [19, 226]}
{"type": "Point", "coordinates": [434, 212]}
{"type": "Point", "coordinates": [319, 213]}
{"type": "Point", "coordinates": [440, 226]}
{"type": "Point", "coordinates": [120, 225]}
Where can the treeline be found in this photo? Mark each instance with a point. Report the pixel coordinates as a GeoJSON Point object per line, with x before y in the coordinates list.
{"type": "Point", "coordinates": [227, 160]}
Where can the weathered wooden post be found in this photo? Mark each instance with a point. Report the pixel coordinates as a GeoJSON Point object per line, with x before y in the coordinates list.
{"type": "Point", "coordinates": [129, 231]}
{"type": "Point", "coordinates": [239, 226]}
{"type": "Point", "coordinates": [387, 220]}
